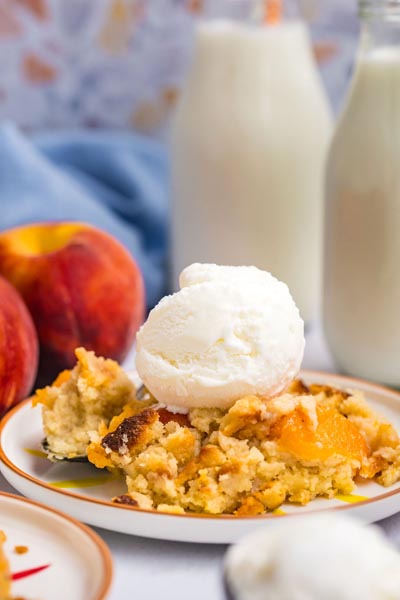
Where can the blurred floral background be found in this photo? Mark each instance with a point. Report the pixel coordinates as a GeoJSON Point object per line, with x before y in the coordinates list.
{"type": "Point", "coordinates": [120, 63]}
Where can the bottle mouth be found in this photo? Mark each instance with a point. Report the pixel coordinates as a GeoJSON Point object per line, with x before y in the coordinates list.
{"type": "Point", "coordinates": [388, 10]}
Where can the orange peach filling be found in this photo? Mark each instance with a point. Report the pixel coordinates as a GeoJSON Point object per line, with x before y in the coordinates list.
{"type": "Point", "coordinates": [36, 240]}
{"type": "Point", "coordinates": [335, 434]}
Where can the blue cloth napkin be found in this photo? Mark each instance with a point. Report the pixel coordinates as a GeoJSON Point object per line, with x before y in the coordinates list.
{"type": "Point", "coordinates": [115, 181]}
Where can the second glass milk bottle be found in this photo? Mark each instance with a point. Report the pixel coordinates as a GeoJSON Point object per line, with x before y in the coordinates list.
{"type": "Point", "coordinates": [362, 250]}
{"type": "Point", "coordinates": [248, 151]}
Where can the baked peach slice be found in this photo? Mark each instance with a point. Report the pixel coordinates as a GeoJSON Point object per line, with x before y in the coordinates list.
{"type": "Point", "coordinates": [334, 434]}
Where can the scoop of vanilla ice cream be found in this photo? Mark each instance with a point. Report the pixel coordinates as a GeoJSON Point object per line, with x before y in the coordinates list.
{"type": "Point", "coordinates": [320, 557]}
{"type": "Point", "coordinates": [230, 331]}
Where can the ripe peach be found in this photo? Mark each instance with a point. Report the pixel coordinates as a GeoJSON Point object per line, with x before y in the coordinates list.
{"type": "Point", "coordinates": [81, 286]}
{"type": "Point", "coordinates": [19, 348]}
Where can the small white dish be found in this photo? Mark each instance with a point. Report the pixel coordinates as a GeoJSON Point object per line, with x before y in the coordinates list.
{"type": "Point", "coordinates": [64, 559]}
{"type": "Point", "coordinates": [85, 492]}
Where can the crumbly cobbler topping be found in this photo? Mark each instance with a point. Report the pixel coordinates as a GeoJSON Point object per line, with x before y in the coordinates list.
{"type": "Point", "coordinates": [311, 441]}
{"type": "Point", "coordinates": [79, 400]}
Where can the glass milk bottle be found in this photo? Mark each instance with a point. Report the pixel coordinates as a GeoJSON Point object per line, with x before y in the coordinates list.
{"type": "Point", "coordinates": [249, 142]}
{"type": "Point", "coordinates": [362, 250]}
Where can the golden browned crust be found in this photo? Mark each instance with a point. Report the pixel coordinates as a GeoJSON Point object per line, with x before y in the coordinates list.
{"type": "Point", "coordinates": [80, 400]}
{"type": "Point", "coordinates": [130, 433]}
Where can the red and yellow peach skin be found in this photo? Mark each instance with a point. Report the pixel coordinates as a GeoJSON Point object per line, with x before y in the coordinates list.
{"type": "Point", "coordinates": [19, 349]}
{"type": "Point", "coordinates": [81, 286]}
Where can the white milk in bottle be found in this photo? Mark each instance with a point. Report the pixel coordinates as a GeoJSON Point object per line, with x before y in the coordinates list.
{"type": "Point", "coordinates": [248, 149]}
{"type": "Point", "coordinates": [362, 254]}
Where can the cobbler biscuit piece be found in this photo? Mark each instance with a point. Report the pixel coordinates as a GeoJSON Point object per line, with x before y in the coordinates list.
{"type": "Point", "coordinates": [251, 506]}
{"type": "Point", "coordinates": [390, 472]}
{"type": "Point", "coordinates": [125, 445]}
{"type": "Point", "coordinates": [325, 392]}
{"type": "Point", "coordinates": [151, 454]}
{"type": "Point", "coordinates": [383, 465]}
{"type": "Point", "coordinates": [209, 456]}
{"type": "Point", "coordinates": [244, 414]}
{"type": "Point", "coordinates": [114, 446]}
{"type": "Point", "coordinates": [133, 433]}
{"type": "Point", "coordinates": [251, 417]}
{"type": "Point", "coordinates": [181, 442]}
{"type": "Point", "coordinates": [206, 420]}
{"type": "Point", "coordinates": [377, 430]}
{"type": "Point", "coordinates": [79, 400]}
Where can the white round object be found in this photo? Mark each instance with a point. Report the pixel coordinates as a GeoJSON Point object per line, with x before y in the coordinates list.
{"type": "Point", "coordinates": [323, 556]}
{"type": "Point", "coordinates": [229, 332]}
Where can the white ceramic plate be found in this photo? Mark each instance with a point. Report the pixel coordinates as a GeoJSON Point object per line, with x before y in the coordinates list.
{"type": "Point", "coordinates": [85, 492]}
{"type": "Point", "coordinates": [64, 560]}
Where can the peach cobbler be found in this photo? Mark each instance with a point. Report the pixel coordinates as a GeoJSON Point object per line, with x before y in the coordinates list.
{"type": "Point", "coordinates": [96, 390]}
{"type": "Point", "coordinates": [223, 426]}
{"type": "Point", "coordinates": [246, 460]}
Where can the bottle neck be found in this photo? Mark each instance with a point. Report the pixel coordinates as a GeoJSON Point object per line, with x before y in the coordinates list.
{"type": "Point", "coordinates": [380, 24]}
{"type": "Point", "coordinates": [251, 11]}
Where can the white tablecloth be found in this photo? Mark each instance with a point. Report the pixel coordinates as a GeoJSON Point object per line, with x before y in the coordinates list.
{"type": "Point", "coordinates": [147, 569]}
